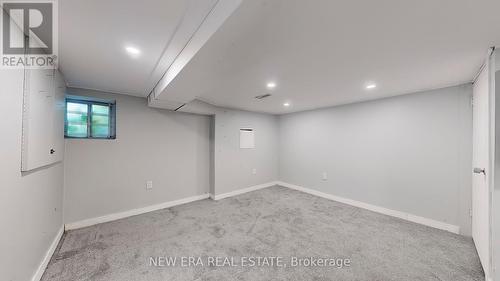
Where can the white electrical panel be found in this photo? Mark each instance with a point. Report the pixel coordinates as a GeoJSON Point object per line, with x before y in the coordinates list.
{"type": "Point", "coordinates": [247, 138]}
{"type": "Point", "coordinates": [43, 118]}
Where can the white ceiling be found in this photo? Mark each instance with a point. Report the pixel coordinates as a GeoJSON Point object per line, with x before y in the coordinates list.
{"type": "Point", "coordinates": [319, 52]}
{"type": "Point", "coordinates": [93, 35]}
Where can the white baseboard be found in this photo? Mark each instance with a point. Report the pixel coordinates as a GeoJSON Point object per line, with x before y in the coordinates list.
{"type": "Point", "coordinates": [374, 208]}
{"type": "Point", "coordinates": [133, 212]}
{"type": "Point", "coordinates": [244, 190]}
{"type": "Point", "coordinates": [46, 259]}
{"type": "Point", "coordinates": [382, 210]}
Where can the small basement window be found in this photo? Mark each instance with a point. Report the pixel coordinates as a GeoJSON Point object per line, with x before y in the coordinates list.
{"type": "Point", "coordinates": [88, 118]}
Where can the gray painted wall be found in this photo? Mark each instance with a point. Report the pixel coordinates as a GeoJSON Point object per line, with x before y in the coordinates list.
{"type": "Point", "coordinates": [410, 153]}
{"type": "Point", "coordinates": [31, 203]}
{"type": "Point", "coordinates": [109, 176]}
{"type": "Point", "coordinates": [233, 166]}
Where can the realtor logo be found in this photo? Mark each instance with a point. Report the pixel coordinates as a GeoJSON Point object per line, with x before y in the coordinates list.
{"type": "Point", "coordinates": [28, 34]}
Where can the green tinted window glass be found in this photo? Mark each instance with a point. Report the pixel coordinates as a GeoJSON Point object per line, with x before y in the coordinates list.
{"type": "Point", "coordinates": [100, 121]}
{"type": "Point", "coordinates": [76, 107]}
{"type": "Point", "coordinates": [76, 131]}
{"type": "Point", "coordinates": [100, 109]}
{"type": "Point", "coordinates": [100, 131]}
{"type": "Point", "coordinates": [89, 119]}
{"type": "Point", "coordinates": [76, 119]}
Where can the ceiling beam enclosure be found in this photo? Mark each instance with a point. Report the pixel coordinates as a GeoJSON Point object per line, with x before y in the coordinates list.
{"type": "Point", "coordinates": [201, 20]}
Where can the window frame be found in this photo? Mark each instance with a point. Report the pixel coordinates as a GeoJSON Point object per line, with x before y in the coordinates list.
{"type": "Point", "coordinates": [89, 102]}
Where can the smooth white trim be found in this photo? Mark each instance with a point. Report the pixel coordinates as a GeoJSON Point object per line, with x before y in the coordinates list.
{"type": "Point", "coordinates": [133, 212]}
{"type": "Point", "coordinates": [43, 265]}
{"type": "Point", "coordinates": [244, 190]}
{"type": "Point", "coordinates": [381, 210]}
{"type": "Point", "coordinates": [374, 208]}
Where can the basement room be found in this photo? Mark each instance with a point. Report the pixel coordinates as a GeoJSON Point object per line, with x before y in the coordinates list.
{"type": "Point", "coordinates": [249, 140]}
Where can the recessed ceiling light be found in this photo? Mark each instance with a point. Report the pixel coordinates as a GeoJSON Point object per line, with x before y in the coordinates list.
{"type": "Point", "coordinates": [286, 104]}
{"type": "Point", "coordinates": [371, 86]}
{"type": "Point", "coordinates": [271, 85]}
{"type": "Point", "coordinates": [133, 51]}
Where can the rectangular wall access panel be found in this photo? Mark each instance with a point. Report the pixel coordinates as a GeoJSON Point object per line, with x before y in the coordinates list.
{"type": "Point", "coordinates": [247, 138]}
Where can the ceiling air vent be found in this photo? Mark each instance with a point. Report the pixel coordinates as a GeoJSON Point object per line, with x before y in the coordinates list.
{"type": "Point", "coordinates": [263, 96]}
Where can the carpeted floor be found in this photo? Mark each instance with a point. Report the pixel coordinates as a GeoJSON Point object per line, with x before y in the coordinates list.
{"type": "Point", "coordinates": [274, 222]}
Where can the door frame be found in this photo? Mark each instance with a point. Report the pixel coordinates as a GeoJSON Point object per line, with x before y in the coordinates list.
{"type": "Point", "coordinates": [492, 144]}
{"type": "Point", "coordinates": [490, 166]}
{"type": "Point", "coordinates": [494, 273]}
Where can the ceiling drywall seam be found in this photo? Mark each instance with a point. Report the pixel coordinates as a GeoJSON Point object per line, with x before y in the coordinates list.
{"type": "Point", "coordinates": [211, 22]}
{"type": "Point", "coordinates": [157, 65]}
{"type": "Point", "coordinates": [150, 90]}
